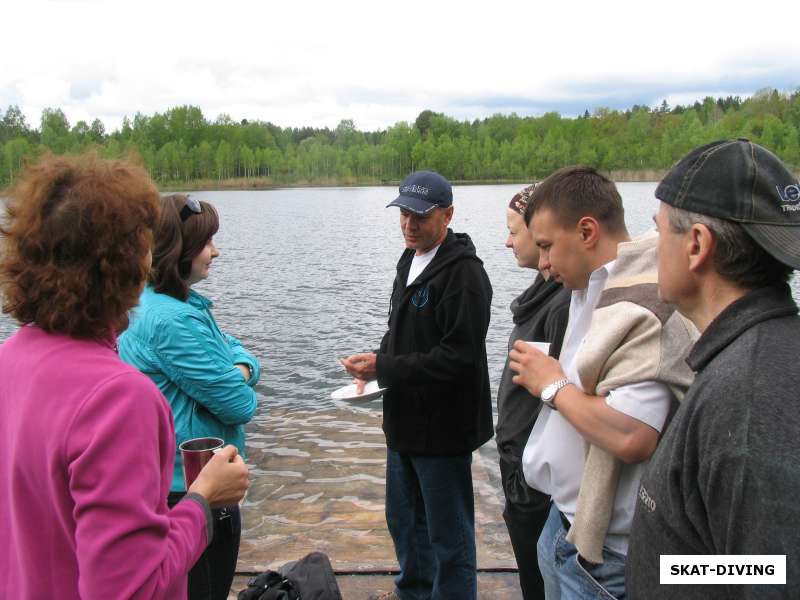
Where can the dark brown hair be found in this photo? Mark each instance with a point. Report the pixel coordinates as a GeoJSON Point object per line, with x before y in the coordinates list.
{"type": "Point", "coordinates": [575, 192]}
{"type": "Point", "coordinates": [75, 241]}
{"type": "Point", "coordinates": [177, 242]}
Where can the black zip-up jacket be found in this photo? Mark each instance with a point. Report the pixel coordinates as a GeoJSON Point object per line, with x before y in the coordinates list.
{"type": "Point", "coordinates": [433, 358]}
{"type": "Point", "coordinates": [540, 314]}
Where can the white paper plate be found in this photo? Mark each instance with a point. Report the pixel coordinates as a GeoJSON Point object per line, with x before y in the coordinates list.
{"type": "Point", "coordinates": [348, 392]}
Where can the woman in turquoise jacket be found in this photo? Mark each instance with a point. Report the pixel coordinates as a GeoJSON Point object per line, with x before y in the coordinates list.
{"type": "Point", "coordinates": [205, 374]}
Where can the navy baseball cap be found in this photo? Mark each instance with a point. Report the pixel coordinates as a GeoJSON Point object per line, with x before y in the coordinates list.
{"type": "Point", "coordinates": [743, 182]}
{"type": "Point", "coordinates": [422, 191]}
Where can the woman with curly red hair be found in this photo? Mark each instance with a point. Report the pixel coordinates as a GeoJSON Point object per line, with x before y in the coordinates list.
{"type": "Point", "coordinates": [88, 441]}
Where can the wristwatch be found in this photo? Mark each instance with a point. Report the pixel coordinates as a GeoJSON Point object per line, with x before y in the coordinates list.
{"type": "Point", "coordinates": [549, 392]}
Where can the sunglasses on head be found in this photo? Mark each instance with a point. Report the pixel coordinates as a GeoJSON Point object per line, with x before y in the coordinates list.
{"type": "Point", "coordinates": [191, 207]}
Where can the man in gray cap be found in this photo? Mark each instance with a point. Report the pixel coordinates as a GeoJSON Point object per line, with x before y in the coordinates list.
{"type": "Point", "coordinates": [437, 408]}
{"type": "Point", "coordinates": [725, 478]}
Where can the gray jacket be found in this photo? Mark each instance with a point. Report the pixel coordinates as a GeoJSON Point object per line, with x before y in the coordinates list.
{"type": "Point", "coordinates": [725, 478]}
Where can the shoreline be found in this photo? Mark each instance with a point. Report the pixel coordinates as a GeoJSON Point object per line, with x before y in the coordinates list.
{"type": "Point", "coordinates": [268, 183]}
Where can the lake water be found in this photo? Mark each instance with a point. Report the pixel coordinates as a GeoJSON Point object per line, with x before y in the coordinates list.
{"type": "Point", "coordinates": [303, 278]}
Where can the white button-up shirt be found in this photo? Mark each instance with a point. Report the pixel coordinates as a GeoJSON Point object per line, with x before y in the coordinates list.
{"type": "Point", "coordinates": [555, 453]}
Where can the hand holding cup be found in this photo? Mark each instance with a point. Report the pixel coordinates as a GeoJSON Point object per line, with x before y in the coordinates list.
{"type": "Point", "coordinates": [224, 480]}
{"type": "Point", "coordinates": [534, 368]}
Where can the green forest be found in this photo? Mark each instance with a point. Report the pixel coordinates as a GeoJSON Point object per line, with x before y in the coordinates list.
{"type": "Point", "coordinates": [182, 148]}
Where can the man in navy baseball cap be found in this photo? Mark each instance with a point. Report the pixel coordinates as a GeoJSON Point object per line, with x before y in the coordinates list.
{"type": "Point", "coordinates": [422, 191]}
{"type": "Point", "coordinates": [437, 405]}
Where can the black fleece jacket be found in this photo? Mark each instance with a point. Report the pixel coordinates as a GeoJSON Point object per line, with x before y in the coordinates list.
{"type": "Point", "coordinates": [540, 314]}
{"type": "Point", "coordinates": [433, 357]}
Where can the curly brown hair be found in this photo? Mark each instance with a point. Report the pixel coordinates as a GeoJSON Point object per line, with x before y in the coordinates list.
{"type": "Point", "coordinates": [75, 244]}
{"type": "Point", "coordinates": [177, 241]}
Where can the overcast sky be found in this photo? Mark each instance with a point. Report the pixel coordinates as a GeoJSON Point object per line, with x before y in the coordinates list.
{"type": "Point", "coordinates": [376, 62]}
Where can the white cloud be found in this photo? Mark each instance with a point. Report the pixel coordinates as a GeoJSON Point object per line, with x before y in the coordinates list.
{"type": "Point", "coordinates": [308, 63]}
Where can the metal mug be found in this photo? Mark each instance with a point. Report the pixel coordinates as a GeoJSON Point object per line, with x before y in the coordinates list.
{"type": "Point", "coordinates": [196, 453]}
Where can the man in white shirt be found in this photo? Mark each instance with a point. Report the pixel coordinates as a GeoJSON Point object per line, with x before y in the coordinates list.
{"type": "Point", "coordinates": [608, 396]}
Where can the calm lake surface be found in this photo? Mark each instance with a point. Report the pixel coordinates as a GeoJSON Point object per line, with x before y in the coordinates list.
{"type": "Point", "coordinates": [304, 278]}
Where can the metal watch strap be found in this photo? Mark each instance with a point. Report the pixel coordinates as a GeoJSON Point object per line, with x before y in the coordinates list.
{"type": "Point", "coordinates": [550, 391]}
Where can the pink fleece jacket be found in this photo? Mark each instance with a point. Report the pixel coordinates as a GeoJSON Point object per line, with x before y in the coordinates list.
{"type": "Point", "coordinates": [87, 447]}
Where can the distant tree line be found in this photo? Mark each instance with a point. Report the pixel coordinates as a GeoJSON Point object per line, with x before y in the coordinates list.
{"type": "Point", "coordinates": [181, 145]}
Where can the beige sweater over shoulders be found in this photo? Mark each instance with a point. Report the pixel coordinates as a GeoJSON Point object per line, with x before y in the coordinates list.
{"type": "Point", "coordinates": [633, 337]}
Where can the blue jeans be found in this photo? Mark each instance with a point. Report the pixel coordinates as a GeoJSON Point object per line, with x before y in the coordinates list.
{"type": "Point", "coordinates": [430, 511]}
{"type": "Point", "coordinates": [570, 577]}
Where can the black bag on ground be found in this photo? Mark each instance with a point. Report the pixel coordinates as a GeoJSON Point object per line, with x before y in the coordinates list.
{"type": "Point", "coordinates": [270, 585]}
{"type": "Point", "coordinates": [310, 578]}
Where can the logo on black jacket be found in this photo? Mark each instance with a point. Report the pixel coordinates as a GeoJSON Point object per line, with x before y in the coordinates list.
{"type": "Point", "coordinates": [421, 297]}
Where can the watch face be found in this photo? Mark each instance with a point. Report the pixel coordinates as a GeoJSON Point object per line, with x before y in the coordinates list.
{"type": "Point", "coordinates": [549, 391]}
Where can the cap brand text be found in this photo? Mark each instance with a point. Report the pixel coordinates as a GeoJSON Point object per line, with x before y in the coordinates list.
{"type": "Point", "coordinates": [789, 194]}
{"type": "Point", "coordinates": [415, 189]}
